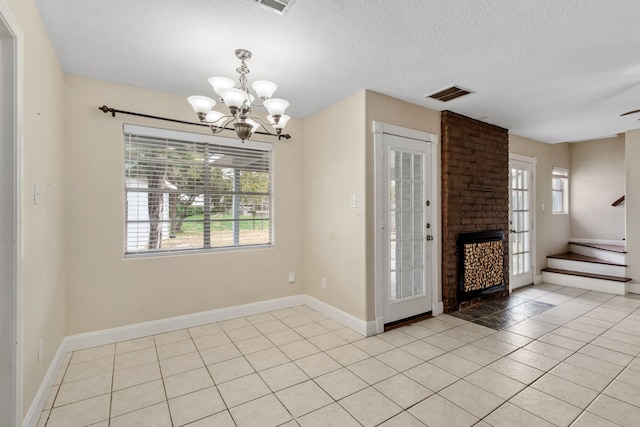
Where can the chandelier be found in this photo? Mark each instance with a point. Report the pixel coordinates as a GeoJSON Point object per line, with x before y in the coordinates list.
{"type": "Point", "coordinates": [240, 102]}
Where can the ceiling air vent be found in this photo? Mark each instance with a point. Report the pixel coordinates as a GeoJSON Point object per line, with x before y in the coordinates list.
{"type": "Point", "coordinates": [449, 93]}
{"type": "Point", "coordinates": [279, 6]}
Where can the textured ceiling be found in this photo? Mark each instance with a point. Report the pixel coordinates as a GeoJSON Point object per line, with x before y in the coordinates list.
{"type": "Point", "coordinates": [549, 70]}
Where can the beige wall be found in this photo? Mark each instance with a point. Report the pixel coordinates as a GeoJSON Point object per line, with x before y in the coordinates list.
{"type": "Point", "coordinates": [334, 232]}
{"type": "Point", "coordinates": [597, 179]}
{"type": "Point", "coordinates": [395, 112]}
{"type": "Point", "coordinates": [338, 159]}
{"type": "Point", "coordinates": [632, 204]}
{"type": "Point", "coordinates": [43, 240]}
{"type": "Point", "coordinates": [105, 290]}
{"type": "Point", "coordinates": [552, 230]}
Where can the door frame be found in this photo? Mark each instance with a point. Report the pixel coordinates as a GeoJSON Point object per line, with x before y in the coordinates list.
{"type": "Point", "coordinates": [533, 161]}
{"type": "Point", "coordinates": [11, 79]}
{"type": "Point", "coordinates": [379, 130]}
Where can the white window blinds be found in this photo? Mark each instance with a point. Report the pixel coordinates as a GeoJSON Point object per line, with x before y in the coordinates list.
{"type": "Point", "coordinates": [193, 192]}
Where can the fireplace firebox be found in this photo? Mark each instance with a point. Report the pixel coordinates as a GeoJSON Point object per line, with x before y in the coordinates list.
{"type": "Point", "coordinates": [481, 264]}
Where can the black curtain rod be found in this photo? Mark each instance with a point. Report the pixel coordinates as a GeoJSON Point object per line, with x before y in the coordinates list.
{"type": "Point", "coordinates": [113, 112]}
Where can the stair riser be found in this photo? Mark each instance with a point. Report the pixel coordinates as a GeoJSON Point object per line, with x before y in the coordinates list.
{"type": "Point", "coordinates": [616, 257]}
{"type": "Point", "coordinates": [586, 267]}
{"type": "Point", "coordinates": [584, 283]}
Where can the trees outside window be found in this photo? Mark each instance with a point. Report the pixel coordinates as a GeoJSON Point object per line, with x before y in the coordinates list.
{"type": "Point", "coordinates": [192, 192]}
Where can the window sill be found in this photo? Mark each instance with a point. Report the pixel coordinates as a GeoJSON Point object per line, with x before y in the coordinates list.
{"type": "Point", "coordinates": [160, 253]}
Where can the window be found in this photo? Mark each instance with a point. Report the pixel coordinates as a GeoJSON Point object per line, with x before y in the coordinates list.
{"type": "Point", "coordinates": [192, 192]}
{"type": "Point", "coordinates": [560, 191]}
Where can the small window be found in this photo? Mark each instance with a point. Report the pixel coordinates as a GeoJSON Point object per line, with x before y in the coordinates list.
{"type": "Point", "coordinates": [192, 192]}
{"type": "Point", "coordinates": [560, 191]}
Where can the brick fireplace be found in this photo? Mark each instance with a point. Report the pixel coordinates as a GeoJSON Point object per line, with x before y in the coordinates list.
{"type": "Point", "coordinates": [475, 195]}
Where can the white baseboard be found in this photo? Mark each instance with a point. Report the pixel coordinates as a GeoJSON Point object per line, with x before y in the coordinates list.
{"type": "Point", "coordinates": [360, 326]}
{"type": "Point", "coordinates": [633, 288]}
{"type": "Point", "coordinates": [139, 330]}
{"type": "Point", "coordinates": [33, 414]}
{"type": "Point", "coordinates": [537, 279]}
{"type": "Point", "coordinates": [597, 241]}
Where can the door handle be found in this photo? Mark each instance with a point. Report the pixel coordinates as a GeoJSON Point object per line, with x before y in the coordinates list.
{"type": "Point", "coordinates": [429, 238]}
{"type": "Point", "coordinates": [512, 230]}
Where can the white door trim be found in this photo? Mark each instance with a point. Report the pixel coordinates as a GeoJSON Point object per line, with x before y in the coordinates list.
{"type": "Point", "coordinates": [533, 161]}
{"type": "Point", "coordinates": [523, 158]}
{"type": "Point", "coordinates": [11, 80]}
{"type": "Point", "coordinates": [379, 129]}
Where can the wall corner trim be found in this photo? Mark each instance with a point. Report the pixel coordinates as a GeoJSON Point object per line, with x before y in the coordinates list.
{"type": "Point", "coordinates": [438, 308]}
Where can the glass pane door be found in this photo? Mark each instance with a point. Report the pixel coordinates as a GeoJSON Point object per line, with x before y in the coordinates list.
{"type": "Point", "coordinates": [521, 223]}
{"type": "Point", "coordinates": [407, 234]}
{"type": "Point", "coordinates": [405, 177]}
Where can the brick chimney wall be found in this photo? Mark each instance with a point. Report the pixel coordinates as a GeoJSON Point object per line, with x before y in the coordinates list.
{"type": "Point", "coordinates": [475, 191]}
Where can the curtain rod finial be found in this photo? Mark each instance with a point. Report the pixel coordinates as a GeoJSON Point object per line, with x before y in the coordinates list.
{"type": "Point", "coordinates": [106, 109]}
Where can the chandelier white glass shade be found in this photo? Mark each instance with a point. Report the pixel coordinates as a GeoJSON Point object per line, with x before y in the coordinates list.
{"type": "Point", "coordinates": [240, 102]}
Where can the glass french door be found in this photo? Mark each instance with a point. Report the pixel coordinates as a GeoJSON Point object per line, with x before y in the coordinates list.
{"type": "Point", "coordinates": [408, 232]}
{"type": "Point", "coordinates": [521, 223]}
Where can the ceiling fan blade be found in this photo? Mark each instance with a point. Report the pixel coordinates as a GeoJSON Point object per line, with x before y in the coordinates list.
{"type": "Point", "coordinates": [630, 112]}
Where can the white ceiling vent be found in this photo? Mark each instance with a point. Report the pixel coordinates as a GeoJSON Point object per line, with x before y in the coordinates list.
{"type": "Point", "coordinates": [278, 6]}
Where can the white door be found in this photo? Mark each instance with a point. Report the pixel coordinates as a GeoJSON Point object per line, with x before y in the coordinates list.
{"type": "Point", "coordinates": [407, 228]}
{"type": "Point", "coordinates": [521, 221]}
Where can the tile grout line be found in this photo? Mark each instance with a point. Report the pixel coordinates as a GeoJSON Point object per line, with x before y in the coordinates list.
{"type": "Point", "coordinates": [619, 373]}
{"type": "Point", "coordinates": [310, 378]}
{"type": "Point", "coordinates": [577, 351]}
{"type": "Point", "coordinates": [582, 411]}
{"type": "Point", "coordinates": [206, 369]}
{"type": "Point", "coordinates": [164, 386]}
{"type": "Point", "coordinates": [548, 371]}
{"type": "Point", "coordinates": [395, 346]}
{"type": "Point", "coordinates": [113, 375]}
{"type": "Point", "coordinates": [58, 392]}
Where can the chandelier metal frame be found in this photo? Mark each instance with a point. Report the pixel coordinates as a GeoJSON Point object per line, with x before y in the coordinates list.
{"type": "Point", "coordinates": [240, 102]}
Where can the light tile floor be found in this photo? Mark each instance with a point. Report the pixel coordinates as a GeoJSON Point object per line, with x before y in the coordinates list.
{"type": "Point", "coordinates": [575, 364]}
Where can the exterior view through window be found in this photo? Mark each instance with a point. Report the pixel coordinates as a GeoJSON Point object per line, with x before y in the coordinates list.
{"type": "Point", "coordinates": [560, 190]}
{"type": "Point", "coordinates": [193, 192]}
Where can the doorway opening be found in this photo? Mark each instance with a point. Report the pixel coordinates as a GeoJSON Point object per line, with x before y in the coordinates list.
{"type": "Point", "coordinates": [10, 378]}
{"type": "Point", "coordinates": [407, 224]}
{"type": "Point", "coordinates": [521, 220]}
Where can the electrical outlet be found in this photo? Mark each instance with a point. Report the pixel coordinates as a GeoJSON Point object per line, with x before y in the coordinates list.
{"type": "Point", "coordinates": [292, 277]}
{"type": "Point", "coordinates": [324, 283]}
{"type": "Point", "coordinates": [40, 350]}
{"type": "Point", "coordinates": [354, 201]}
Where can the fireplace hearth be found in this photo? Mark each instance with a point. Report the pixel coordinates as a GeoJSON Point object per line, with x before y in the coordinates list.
{"type": "Point", "coordinates": [481, 264]}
